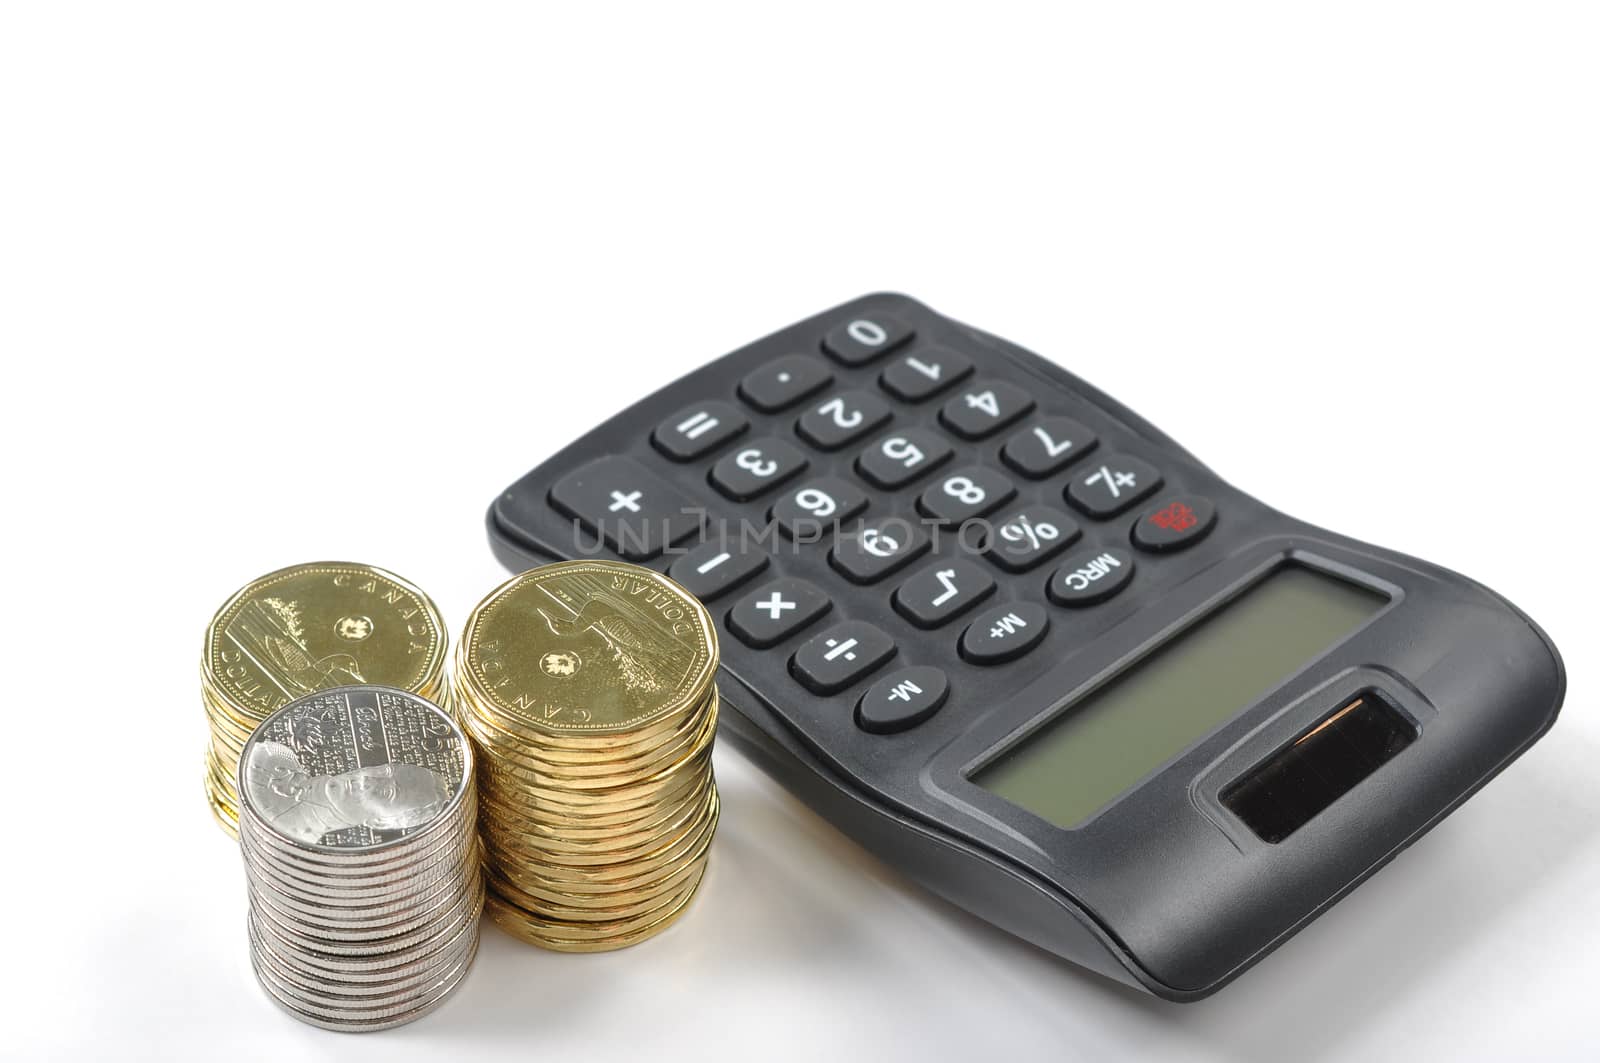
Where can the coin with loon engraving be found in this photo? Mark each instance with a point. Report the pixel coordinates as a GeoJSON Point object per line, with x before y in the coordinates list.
{"type": "Point", "coordinates": [303, 629]}
{"type": "Point", "coordinates": [358, 827]}
{"type": "Point", "coordinates": [588, 690]}
{"type": "Point", "coordinates": [590, 648]}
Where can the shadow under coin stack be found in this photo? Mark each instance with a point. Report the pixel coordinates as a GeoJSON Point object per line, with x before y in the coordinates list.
{"type": "Point", "coordinates": [358, 826]}
{"type": "Point", "coordinates": [588, 689]}
{"type": "Point", "coordinates": [303, 629]}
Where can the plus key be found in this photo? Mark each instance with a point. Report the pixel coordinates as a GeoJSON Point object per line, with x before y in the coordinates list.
{"type": "Point", "coordinates": [626, 506]}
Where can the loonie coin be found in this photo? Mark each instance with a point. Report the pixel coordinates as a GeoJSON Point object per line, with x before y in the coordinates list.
{"type": "Point", "coordinates": [588, 689]}
{"type": "Point", "coordinates": [303, 629]}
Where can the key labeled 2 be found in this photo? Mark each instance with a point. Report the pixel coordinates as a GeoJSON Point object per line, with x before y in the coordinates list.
{"type": "Point", "coordinates": [842, 419]}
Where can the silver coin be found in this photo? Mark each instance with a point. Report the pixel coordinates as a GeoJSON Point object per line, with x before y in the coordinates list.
{"type": "Point", "coordinates": [355, 864]}
{"type": "Point", "coordinates": [350, 1025]}
{"type": "Point", "coordinates": [340, 969]}
{"type": "Point", "coordinates": [379, 937]}
{"type": "Point", "coordinates": [324, 953]}
{"type": "Point", "coordinates": [363, 866]}
{"type": "Point", "coordinates": [332, 970]}
{"type": "Point", "coordinates": [454, 852]}
{"type": "Point", "coordinates": [315, 918]}
{"type": "Point", "coordinates": [354, 770]}
{"type": "Point", "coordinates": [359, 903]}
{"type": "Point", "coordinates": [393, 987]}
{"type": "Point", "coordinates": [285, 928]}
{"type": "Point", "coordinates": [377, 991]}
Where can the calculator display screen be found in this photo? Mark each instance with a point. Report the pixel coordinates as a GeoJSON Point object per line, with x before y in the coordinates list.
{"type": "Point", "coordinates": [1157, 708]}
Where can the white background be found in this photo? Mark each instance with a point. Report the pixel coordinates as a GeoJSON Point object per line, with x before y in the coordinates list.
{"type": "Point", "coordinates": [293, 282]}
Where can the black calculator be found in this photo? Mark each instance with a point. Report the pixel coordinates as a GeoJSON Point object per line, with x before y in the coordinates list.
{"type": "Point", "coordinates": [1031, 652]}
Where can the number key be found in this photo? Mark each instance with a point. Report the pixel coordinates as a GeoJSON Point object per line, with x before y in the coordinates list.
{"type": "Point", "coordinates": [756, 468]}
{"type": "Point", "coordinates": [985, 408]}
{"type": "Point", "coordinates": [878, 549]}
{"type": "Point", "coordinates": [843, 418]}
{"type": "Point", "coordinates": [861, 339]}
{"type": "Point", "coordinates": [1048, 447]}
{"type": "Point", "coordinates": [896, 460]}
{"type": "Point", "coordinates": [942, 592]}
{"type": "Point", "coordinates": [926, 371]}
{"type": "Point", "coordinates": [802, 514]}
{"type": "Point", "coordinates": [966, 493]}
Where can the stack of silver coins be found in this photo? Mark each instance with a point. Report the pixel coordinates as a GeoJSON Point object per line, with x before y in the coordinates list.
{"type": "Point", "coordinates": [358, 827]}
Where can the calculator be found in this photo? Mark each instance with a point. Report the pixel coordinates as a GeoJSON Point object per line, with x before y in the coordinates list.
{"type": "Point", "coordinates": [1028, 650]}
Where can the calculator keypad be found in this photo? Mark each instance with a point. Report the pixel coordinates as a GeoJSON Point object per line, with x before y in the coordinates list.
{"type": "Point", "coordinates": [783, 382]}
{"type": "Point", "coordinates": [890, 465]}
{"type": "Point", "coordinates": [924, 372]}
{"type": "Point", "coordinates": [896, 460]}
{"type": "Point", "coordinates": [842, 419]}
{"type": "Point", "coordinates": [984, 407]}
{"type": "Point", "coordinates": [756, 468]}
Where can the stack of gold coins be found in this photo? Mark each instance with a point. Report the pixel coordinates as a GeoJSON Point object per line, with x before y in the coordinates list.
{"type": "Point", "coordinates": [358, 828]}
{"type": "Point", "coordinates": [588, 689]}
{"type": "Point", "coordinates": [303, 629]}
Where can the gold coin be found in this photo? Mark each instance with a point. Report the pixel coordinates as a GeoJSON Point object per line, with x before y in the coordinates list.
{"type": "Point", "coordinates": [534, 892]}
{"type": "Point", "coordinates": [312, 627]}
{"type": "Point", "coordinates": [602, 777]}
{"type": "Point", "coordinates": [537, 830]}
{"type": "Point", "coordinates": [504, 787]}
{"type": "Point", "coordinates": [581, 909]}
{"type": "Point", "coordinates": [542, 870]}
{"type": "Point", "coordinates": [587, 648]}
{"type": "Point", "coordinates": [556, 847]}
{"type": "Point", "coordinates": [544, 933]}
{"type": "Point", "coordinates": [307, 628]}
{"type": "Point", "coordinates": [613, 749]}
{"type": "Point", "coordinates": [560, 817]}
{"type": "Point", "coordinates": [576, 746]}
